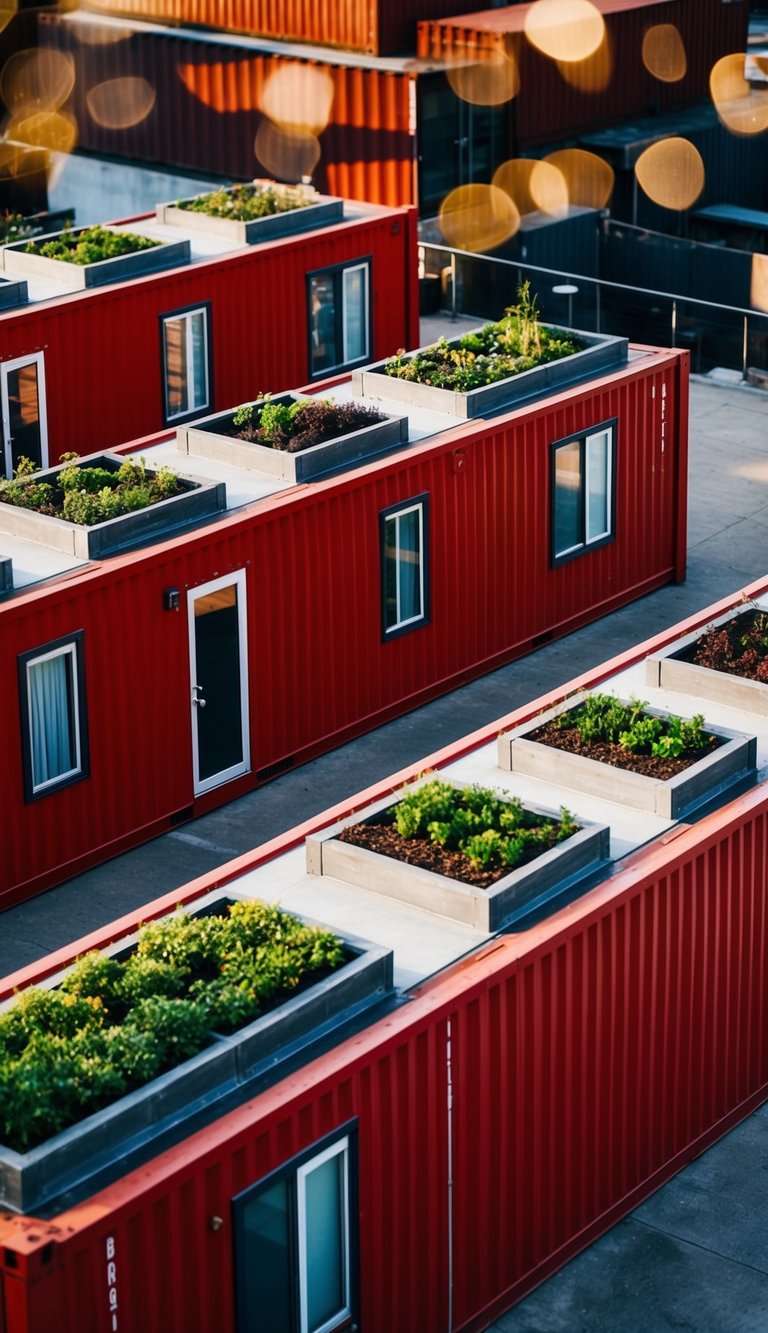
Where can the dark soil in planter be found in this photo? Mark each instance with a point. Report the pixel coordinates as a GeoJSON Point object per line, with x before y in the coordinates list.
{"type": "Point", "coordinates": [304, 423]}
{"type": "Point", "coordinates": [607, 752]}
{"type": "Point", "coordinates": [380, 835]}
{"type": "Point", "coordinates": [738, 648]}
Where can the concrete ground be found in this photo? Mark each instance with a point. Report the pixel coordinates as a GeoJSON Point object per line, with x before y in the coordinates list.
{"type": "Point", "coordinates": [695, 1255]}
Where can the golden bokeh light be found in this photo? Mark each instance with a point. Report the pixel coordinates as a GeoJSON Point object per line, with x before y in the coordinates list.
{"type": "Point", "coordinates": [589, 178]}
{"type": "Point", "coordinates": [285, 155]}
{"type": "Point", "coordinates": [484, 78]}
{"type": "Point", "coordinates": [594, 73]}
{"type": "Point", "coordinates": [120, 103]}
{"type": "Point", "coordinates": [477, 217]}
{"type": "Point", "coordinates": [298, 98]}
{"type": "Point", "coordinates": [758, 294]}
{"type": "Point", "coordinates": [97, 34]}
{"type": "Point", "coordinates": [741, 108]}
{"type": "Point", "coordinates": [514, 178]}
{"type": "Point", "coordinates": [549, 189]}
{"type": "Point", "coordinates": [664, 53]}
{"type": "Point", "coordinates": [55, 130]}
{"type": "Point", "coordinates": [567, 30]}
{"type": "Point", "coordinates": [37, 80]}
{"type": "Point", "coordinates": [671, 173]}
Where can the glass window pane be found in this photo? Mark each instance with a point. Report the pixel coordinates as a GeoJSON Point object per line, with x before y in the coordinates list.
{"type": "Point", "coordinates": [186, 363]}
{"type": "Point", "coordinates": [390, 572]}
{"type": "Point", "coordinates": [409, 565]}
{"type": "Point", "coordinates": [265, 1262]}
{"type": "Point", "coordinates": [325, 1277]}
{"type": "Point", "coordinates": [355, 313]}
{"type": "Point", "coordinates": [175, 367]}
{"type": "Point", "coordinates": [598, 485]}
{"type": "Point", "coordinates": [52, 719]}
{"type": "Point", "coordinates": [322, 313]}
{"type": "Point", "coordinates": [567, 497]}
{"type": "Point", "coordinates": [199, 355]}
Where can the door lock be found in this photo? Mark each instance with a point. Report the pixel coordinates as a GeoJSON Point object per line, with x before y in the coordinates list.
{"type": "Point", "coordinates": [196, 696]}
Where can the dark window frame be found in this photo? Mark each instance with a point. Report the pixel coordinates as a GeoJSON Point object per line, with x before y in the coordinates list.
{"type": "Point", "coordinates": [178, 419]}
{"type": "Point", "coordinates": [395, 631]}
{"type": "Point", "coordinates": [289, 1171]}
{"type": "Point", "coordinates": [584, 546]}
{"type": "Point", "coordinates": [24, 660]}
{"type": "Point", "coordinates": [336, 271]}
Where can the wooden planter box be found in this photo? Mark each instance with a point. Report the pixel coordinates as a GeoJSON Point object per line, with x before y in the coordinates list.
{"type": "Point", "coordinates": [325, 212]}
{"type": "Point", "coordinates": [197, 500]}
{"type": "Point", "coordinates": [484, 909]}
{"type": "Point", "coordinates": [208, 438]}
{"type": "Point", "coordinates": [671, 799]}
{"type": "Point", "coordinates": [669, 670]}
{"type": "Point", "coordinates": [110, 1140]}
{"type": "Point", "coordinates": [13, 292]}
{"type": "Point", "coordinates": [600, 354]}
{"type": "Point", "coordinates": [76, 277]}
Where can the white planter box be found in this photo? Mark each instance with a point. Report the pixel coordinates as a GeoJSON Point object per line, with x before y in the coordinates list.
{"type": "Point", "coordinates": [484, 909]}
{"type": "Point", "coordinates": [671, 799]}
{"type": "Point", "coordinates": [325, 212]}
{"type": "Point", "coordinates": [107, 1143]}
{"type": "Point", "coordinates": [206, 438]}
{"type": "Point", "coordinates": [669, 670]}
{"type": "Point", "coordinates": [77, 277]}
{"type": "Point", "coordinates": [197, 500]}
{"type": "Point", "coordinates": [600, 354]}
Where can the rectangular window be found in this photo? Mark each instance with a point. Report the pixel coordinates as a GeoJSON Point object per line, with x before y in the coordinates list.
{"type": "Point", "coordinates": [403, 561]}
{"type": "Point", "coordinates": [186, 363]}
{"type": "Point", "coordinates": [54, 730]}
{"type": "Point", "coordinates": [339, 317]}
{"type": "Point", "coordinates": [583, 490]}
{"type": "Point", "coordinates": [293, 1248]}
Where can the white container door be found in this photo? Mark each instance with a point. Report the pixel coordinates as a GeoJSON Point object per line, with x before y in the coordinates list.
{"type": "Point", "coordinates": [218, 662]}
{"type": "Point", "coordinates": [22, 394]}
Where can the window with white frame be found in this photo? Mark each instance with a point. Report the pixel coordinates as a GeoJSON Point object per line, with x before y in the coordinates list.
{"type": "Point", "coordinates": [293, 1244]}
{"type": "Point", "coordinates": [583, 492]}
{"type": "Point", "coordinates": [403, 534]}
{"type": "Point", "coordinates": [339, 317]}
{"type": "Point", "coordinates": [186, 362]}
{"type": "Point", "coordinates": [53, 716]}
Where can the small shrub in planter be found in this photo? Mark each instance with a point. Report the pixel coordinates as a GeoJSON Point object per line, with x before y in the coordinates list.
{"type": "Point", "coordinates": [301, 424]}
{"type": "Point", "coordinates": [244, 203]}
{"type": "Point", "coordinates": [90, 245]}
{"type": "Point", "coordinates": [514, 344]}
{"type": "Point", "coordinates": [112, 1026]}
{"type": "Point", "coordinates": [626, 736]}
{"type": "Point", "coordinates": [89, 495]}
{"type": "Point", "coordinates": [738, 648]}
{"type": "Point", "coordinates": [469, 834]}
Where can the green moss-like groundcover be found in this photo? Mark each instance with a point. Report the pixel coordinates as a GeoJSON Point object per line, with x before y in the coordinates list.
{"type": "Point", "coordinates": [245, 203]}
{"type": "Point", "coordinates": [111, 1026]}
{"type": "Point", "coordinates": [90, 245]}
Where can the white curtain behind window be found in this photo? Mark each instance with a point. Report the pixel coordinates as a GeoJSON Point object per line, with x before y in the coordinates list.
{"type": "Point", "coordinates": [51, 731]}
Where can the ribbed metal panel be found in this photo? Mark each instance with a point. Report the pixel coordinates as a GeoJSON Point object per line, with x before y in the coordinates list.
{"type": "Point", "coordinates": [206, 114]}
{"type": "Point", "coordinates": [259, 329]}
{"type": "Point", "coordinates": [493, 592]}
{"type": "Point", "coordinates": [589, 1059]}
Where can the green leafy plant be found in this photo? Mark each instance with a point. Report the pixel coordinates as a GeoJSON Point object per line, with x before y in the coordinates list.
{"type": "Point", "coordinates": [88, 494]}
{"type": "Point", "coordinates": [515, 343]}
{"type": "Point", "coordinates": [112, 1025]}
{"type": "Point", "coordinates": [605, 718]}
{"type": "Point", "coordinates": [300, 424]}
{"type": "Point", "coordinates": [490, 831]}
{"type": "Point", "coordinates": [243, 203]}
{"type": "Point", "coordinates": [738, 648]}
{"type": "Point", "coordinates": [90, 245]}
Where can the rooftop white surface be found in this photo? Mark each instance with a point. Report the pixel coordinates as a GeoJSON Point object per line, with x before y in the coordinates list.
{"type": "Point", "coordinates": [424, 943]}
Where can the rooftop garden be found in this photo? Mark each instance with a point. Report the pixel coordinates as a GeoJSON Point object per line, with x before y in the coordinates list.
{"type": "Point", "coordinates": [625, 735]}
{"type": "Point", "coordinates": [81, 493]}
{"type": "Point", "coordinates": [301, 424]}
{"type": "Point", "coordinates": [244, 203]}
{"type": "Point", "coordinates": [738, 648]}
{"type": "Point", "coordinates": [89, 245]}
{"type": "Point", "coordinates": [112, 1026]}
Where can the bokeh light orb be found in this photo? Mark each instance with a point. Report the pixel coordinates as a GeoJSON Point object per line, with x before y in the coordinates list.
{"type": "Point", "coordinates": [298, 98]}
{"type": "Point", "coordinates": [741, 108]}
{"type": "Point", "coordinates": [671, 173]}
{"type": "Point", "coordinates": [488, 78]}
{"type": "Point", "coordinates": [514, 178]}
{"type": "Point", "coordinates": [566, 30]}
{"type": "Point", "coordinates": [664, 53]}
{"type": "Point", "coordinates": [55, 130]}
{"type": "Point", "coordinates": [37, 80]}
{"type": "Point", "coordinates": [477, 217]}
{"type": "Point", "coordinates": [549, 189]}
{"type": "Point", "coordinates": [284, 154]}
{"type": "Point", "coordinates": [119, 103]}
{"type": "Point", "coordinates": [588, 177]}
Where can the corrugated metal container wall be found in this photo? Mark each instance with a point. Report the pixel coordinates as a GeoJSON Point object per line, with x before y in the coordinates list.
{"type": "Point", "coordinates": [206, 111]}
{"type": "Point", "coordinates": [260, 340]}
{"type": "Point", "coordinates": [590, 1058]}
{"type": "Point", "coordinates": [549, 107]}
{"type": "Point", "coordinates": [379, 27]}
{"type": "Point", "coordinates": [489, 570]}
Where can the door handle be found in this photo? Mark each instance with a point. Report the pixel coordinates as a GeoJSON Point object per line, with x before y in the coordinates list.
{"type": "Point", "coordinates": [196, 699]}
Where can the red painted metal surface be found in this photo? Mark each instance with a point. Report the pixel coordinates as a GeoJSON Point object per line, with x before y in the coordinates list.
{"type": "Point", "coordinates": [206, 114]}
{"type": "Point", "coordinates": [591, 1057]}
{"type": "Point", "coordinates": [379, 27]}
{"type": "Point", "coordinates": [488, 483]}
{"type": "Point", "coordinates": [549, 104]}
{"type": "Point", "coordinates": [259, 328]}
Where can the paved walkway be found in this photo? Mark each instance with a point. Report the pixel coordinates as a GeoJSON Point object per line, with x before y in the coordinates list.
{"type": "Point", "coordinates": [695, 1256]}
